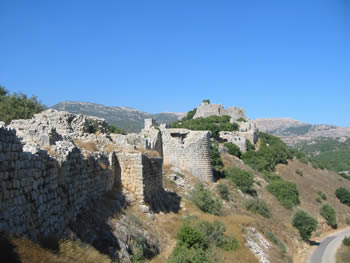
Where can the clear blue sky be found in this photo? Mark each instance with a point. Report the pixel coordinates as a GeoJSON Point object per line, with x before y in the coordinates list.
{"type": "Point", "coordinates": [275, 58]}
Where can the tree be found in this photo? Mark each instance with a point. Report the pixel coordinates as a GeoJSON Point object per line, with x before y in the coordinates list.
{"type": "Point", "coordinates": [305, 223]}
{"type": "Point", "coordinates": [233, 149]}
{"type": "Point", "coordinates": [17, 106]}
{"type": "Point", "coordinates": [328, 213]}
{"type": "Point", "coordinates": [343, 195]}
{"type": "Point", "coordinates": [243, 179]}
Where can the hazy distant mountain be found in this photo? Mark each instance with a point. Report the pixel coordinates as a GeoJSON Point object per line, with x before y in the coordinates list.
{"type": "Point", "coordinates": [294, 131]}
{"type": "Point", "coordinates": [129, 119]}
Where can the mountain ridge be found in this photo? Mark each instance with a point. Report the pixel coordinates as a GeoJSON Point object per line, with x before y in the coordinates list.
{"type": "Point", "coordinates": [130, 119]}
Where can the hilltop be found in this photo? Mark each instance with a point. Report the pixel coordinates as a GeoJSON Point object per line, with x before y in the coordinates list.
{"type": "Point", "coordinates": [293, 131]}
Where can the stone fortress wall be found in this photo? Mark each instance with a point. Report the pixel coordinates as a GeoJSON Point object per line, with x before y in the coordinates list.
{"type": "Point", "coordinates": [41, 194]}
{"type": "Point", "coordinates": [46, 179]}
{"type": "Point", "coordinates": [188, 150]}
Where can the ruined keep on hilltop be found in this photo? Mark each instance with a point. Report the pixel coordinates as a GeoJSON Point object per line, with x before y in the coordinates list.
{"type": "Point", "coordinates": [206, 109]}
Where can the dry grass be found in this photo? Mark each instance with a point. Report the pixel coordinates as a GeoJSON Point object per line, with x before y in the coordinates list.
{"type": "Point", "coordinates": [343, 254]}
{"type": "Point", "coordinates": [87, 145]}
{"type": "Point", "coordinates": [308, 186]}
{"type": "Point", "coordinates": [69, 252]}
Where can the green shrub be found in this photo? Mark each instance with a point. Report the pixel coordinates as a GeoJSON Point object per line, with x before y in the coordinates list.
{"type": "Point", "coordinates": [275, 240]}
{"type": "Point", "coordinates": [233, 149]}
{"type": "Point", "coordinates": [243, 179]}
{"type": "Point", "coordinates": [346, 241]}
{"type": "Point", "coordinates": [249, 146]}
{"type": "Point", "coordinates": [299, 172]}
{"type": "Point", "coordinates": [18, 106]}
{"type": "Point", "coordinates": [318, 200]}
{"type": "Point", "coordinates": [231, 243]}
{"type": "Point", "coordinates": [345, 176]}
{"type": "Point", "coordinates": [258, 206]}
{"type": "Point", "coordinates": [206, 101]}
{"type": "Point", "coordinates": [116, 130]}
{"type": "Point", "coordinates": [140, 247]}
{"type": "Point", "coordinates": [343, 195]}
{"type": "Point", "coordinates": [189, 115]}
{"type": "Point", "coordinates": [322, 195]}
{"type": "Point", "coordinates": [204, 200]}
{"type": "Point", "coordinates": [272, 151]}
{"type": "Point", "coordinates": [215, 157]}
{"type": "Point", "coordinates": [190, 237]}
{"type": "Point", "coordinates": [223, 191]}
{"type": "Point", "coordinates": [305, 223]}
{"type": "Point", "coordinates": [347, 220]}
{"type": "Point", "coordinates": [214, 124]}
{"type": "Point", "coordinates": [197, 240]}
{"type": "Point", "coordinates": [269, 177]}
{"type": "Point", "coordinates": [182, 254]}
{"type": "Point", "coordinates": [285, 192]}
{"type": "Point", "coordinates": [241, 119]}
{"type": "Point", "coordinates": [328, 212]}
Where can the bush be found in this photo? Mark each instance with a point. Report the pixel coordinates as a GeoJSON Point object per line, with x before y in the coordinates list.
{"type": "Point", "coordinates": [347, 220]}
{"type": "Point", "coordinates": [190, 237]}
{"type": "Point", "coordinates": [345, 176]}
{"type": "Point", "coordinates": [318, 200]}
{"type": "Point", "coordinates": [343, 195]}
{"type": "Point", "coordinates": [258, 206]}
{"type": "Point", "coordinates": [241, 119]}
{"type": "Point", "coordinates": [249, 146]}
{"type": "Point", "coordinates": [215, 157]}
{"type": "Point", "coordinates": [285, 192]}
{"type": "Point", "coordinates": [139, 250]}
{"type": "Point", "coordinates": [214, 124]}
{"type": "Point", "coordinates": [271, 152]}
{"type": "Point", "coordinates": [116, 130]}
{"type": "Point", "coordinates": [223, 191]}
{"type": "Point", "coordinates": [299, 172]}
{"type": "Point", "coordinates": [269, 177]}
{"type": "Point", "coordinates": [182, 254]}
{"type": "Point", "coordinates": [233, 149]}
{"type": "Point", "coordinates": [322, 195]}
{"type": "Point", "coordinates": [189, 115]}
{"type": "Point", "coordinates": [243, 179]}
{"type": "Point", "coordinates": [18, 106]}
{"type": "Point", "coordinates": [275, 240]}
{"type": "Point", "coordinates": [346, 241]}
{"type": "Point", "coordinates": [305, 223]}
{"type": "Point", "coordinates": [197, 240]}
{"type": "Point", "coordinates": [203, 199]}
{"type": "Point", "coordinates": [328, 212]}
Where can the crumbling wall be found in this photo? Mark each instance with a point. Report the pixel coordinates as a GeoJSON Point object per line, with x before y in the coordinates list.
{"type": "Point", "coordinates": [206, 109]}
{"type": "Point", "coordinates": [141, 174]}
{"type": "Point", "coordinates": [40, 194]}
{"type": "Point", "coordinates": [189, 150]}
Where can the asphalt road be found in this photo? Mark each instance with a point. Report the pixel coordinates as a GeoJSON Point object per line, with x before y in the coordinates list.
{"type": "Point", "coordinates": [327, 249]}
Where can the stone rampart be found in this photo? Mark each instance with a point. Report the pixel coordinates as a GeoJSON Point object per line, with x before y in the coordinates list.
{"type": "Point", "coordinates": [40, 193]}
{"type": "Point", "coordinates": [188, 150]}
{"type": "Point", "coordinates": [43, 190]}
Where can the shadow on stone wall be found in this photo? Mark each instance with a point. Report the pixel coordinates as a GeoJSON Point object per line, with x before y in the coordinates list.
{"type": "Point", "coordinates": [8, 250]}
{"type": "Point", "coordinates": [92, 224]}
{"type": "Point", "coordinates": [164, 201]}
